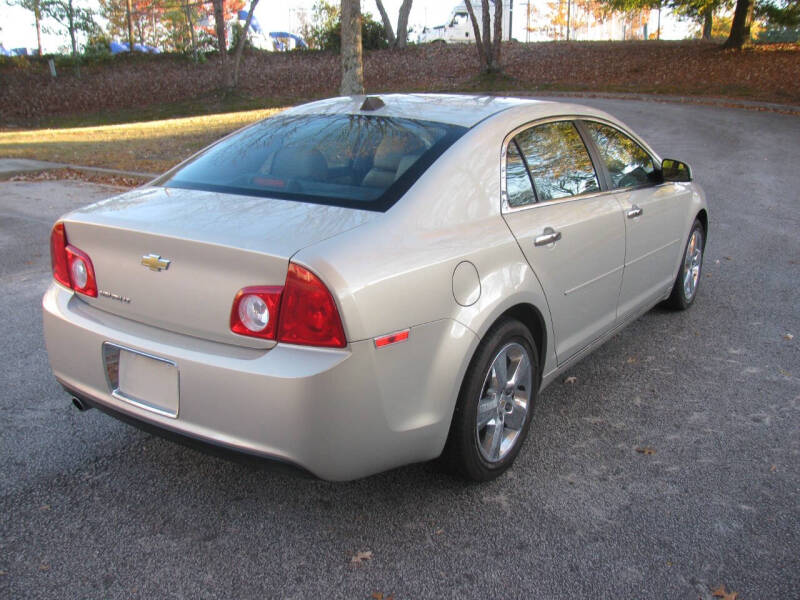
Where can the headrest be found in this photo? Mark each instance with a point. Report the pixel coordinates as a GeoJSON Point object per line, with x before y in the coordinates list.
{"type": "Point", "coordinates": [305, 163]}
{"type": "Point", "coordinates": [392, 149]}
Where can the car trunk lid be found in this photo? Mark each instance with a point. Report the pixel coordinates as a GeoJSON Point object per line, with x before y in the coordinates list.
{"type": "Point", "coordinates": [175, 258]}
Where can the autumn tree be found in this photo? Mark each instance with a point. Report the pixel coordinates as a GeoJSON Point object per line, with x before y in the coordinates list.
{"type": "Point", "coordinates": [488, 44]}
{"type": "Point", "coordinates": [34, 6]}
{"type": "Point", "coordinates": [399, 40]}
{"type": "Point", "coordinates": [352, 53]}
{"type": "Point", "coordinates": [632, 7]}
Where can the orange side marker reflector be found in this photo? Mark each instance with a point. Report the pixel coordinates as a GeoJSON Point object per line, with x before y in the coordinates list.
{"type": "Point", "coordinates": [392, 338]}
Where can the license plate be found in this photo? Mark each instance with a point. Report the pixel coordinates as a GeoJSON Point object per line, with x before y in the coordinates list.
{"type": "Point", "coordinates": [148, 382]}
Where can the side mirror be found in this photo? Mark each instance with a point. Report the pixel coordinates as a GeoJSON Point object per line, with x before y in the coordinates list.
{"type": "Point", "coordinates": [675, 170]}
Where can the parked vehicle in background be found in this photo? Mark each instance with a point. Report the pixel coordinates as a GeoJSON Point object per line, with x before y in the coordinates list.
{"type": "Point", "coordinates": [458, 28]}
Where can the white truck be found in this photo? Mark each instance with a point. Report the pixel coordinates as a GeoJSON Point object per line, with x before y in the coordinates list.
{"type": "Point", "coordinates": [459, 27]}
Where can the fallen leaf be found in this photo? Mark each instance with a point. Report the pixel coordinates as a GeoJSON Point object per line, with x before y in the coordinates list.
{"type": "Point", "coordinates": [44, 567]}
{"type": "Point", "coordinates": [632, 359]}
{"type": "Point", "coordinates": [439, 531]}
{"type": "Point", "coordinates": [773, 468]}
{"type": "Point", "coordinates": [646, 450]}
{"type": "Point", "coordinates": [361, 557]}
{"type": "Point", "coordinates": [788, 336]}
{"type": "Point", "coordinates": [44, 507]}
{"type": "Point", "coordinates": [721, 593]}
{"type": "Point", "coordinates": [727, 258]}
{"type": "Point", "coordinates": [380, 596]}
{"type": "Point", "coordinates": [571, 380]}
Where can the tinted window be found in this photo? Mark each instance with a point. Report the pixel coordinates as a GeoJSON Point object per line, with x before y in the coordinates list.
{"type": "Point", "coordinates": [347, 160]}
{"type": "Point", "coordinates": [558, 161]}
{"type": "Point", "coordinates": [627, 162]}
{"type": "Point", "coordinates": [518, 184]}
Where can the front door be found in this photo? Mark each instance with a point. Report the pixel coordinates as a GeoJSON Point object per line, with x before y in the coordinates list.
{"type": "Point", "coordinates": [654, 214]}
{"type": "Point", "coordinates": [572, 235]}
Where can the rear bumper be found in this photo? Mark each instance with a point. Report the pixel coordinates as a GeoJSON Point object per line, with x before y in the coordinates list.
{"type": "Point", "coordinates": [340, 414]}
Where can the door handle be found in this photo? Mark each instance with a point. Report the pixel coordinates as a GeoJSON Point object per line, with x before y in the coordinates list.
{"type": "Point", "coordinates": [634, 212]}
{"type": "Point", "coordinates": [550, 236]}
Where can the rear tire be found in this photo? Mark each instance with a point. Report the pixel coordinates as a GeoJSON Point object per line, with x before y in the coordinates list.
{"type": "Point", "coordinates": [495, 403]}
{"type": "Point", "coordinates": [684, 291]}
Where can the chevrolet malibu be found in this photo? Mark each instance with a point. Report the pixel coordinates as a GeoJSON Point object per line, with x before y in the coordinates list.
{"type": "Point", "coordinates": [366, 282]}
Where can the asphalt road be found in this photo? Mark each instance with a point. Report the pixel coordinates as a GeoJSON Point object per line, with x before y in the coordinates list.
{"type": "Point", "coordinates": [92, 508]}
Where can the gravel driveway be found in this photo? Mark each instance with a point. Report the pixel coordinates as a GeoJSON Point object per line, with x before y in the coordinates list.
{"type": "Point", "coordinates": [92, 508]}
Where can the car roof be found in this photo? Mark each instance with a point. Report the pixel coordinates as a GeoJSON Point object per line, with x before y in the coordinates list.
{"type": "Point", "coordinates": [456, 109]}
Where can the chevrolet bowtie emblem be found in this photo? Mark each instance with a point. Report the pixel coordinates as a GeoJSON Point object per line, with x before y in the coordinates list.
{"type": "Point", "coordinates": [154, 262]}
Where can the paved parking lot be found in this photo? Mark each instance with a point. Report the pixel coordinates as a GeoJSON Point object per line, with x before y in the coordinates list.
{"type": "Point", "coordinates": [92, 508]}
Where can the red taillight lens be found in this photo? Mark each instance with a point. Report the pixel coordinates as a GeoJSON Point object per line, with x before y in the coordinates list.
{"type": "Point", "coordinates": [58, 255]}
{"type": "Point", "coordinates": [301, 312]}
{"type": "Point", "coordinates": [308, 312]}
{"type": "Point", "coordinates": [255, 311]}
{"type": "Point", "coordinates": [72, 267]}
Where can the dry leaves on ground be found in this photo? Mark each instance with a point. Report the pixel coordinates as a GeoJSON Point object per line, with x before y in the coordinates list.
{"type": "Point", "coordinates": [721, 593]}
{"type": "Point", "coordinates": [361, 557]}
{"type": "Point", "coordinates": [648, 450]}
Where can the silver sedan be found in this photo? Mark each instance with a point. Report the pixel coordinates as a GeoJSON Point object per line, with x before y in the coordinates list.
{"type": "Point", "coordinates": [365, 282]}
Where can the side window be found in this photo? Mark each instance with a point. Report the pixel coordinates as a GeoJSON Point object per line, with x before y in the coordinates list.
{"type": "Point", "coordinates": [518, 184]}
{"type": "Point", "coordinates": [628, 164]}
{"type": "Point", "coordinates": [558, 161]}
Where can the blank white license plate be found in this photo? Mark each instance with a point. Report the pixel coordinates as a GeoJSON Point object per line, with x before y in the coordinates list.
{"type": "Point", "coordinates": [149, 382]}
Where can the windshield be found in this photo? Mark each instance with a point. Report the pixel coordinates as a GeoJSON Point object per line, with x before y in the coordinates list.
{"type": "Point", "coordinates": [358, 161]}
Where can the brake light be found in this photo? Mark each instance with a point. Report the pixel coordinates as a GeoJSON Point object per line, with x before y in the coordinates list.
{"type": "Point", "coordinates": [308, 312]}
{"type": "Point", "coordinates": [303, 312]}
{"type": "Point", "coordinates": [72, 267]}
{"type": "Point", "coordinates": [58, 254]}
{"type": "Point", "coordinates": [255, 311]}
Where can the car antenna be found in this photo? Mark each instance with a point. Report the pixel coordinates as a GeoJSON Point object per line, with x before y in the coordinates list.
{"type": "Point", "coordinates": [372, 103]}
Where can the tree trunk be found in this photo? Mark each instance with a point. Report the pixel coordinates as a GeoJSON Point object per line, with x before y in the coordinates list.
{"type": "Point", "coordinates": [387, 24]}
{"type": "Point", "coordinates": [487, 35]}
{"type": "Point", "coordinates": [477, 30]}
{"type": "Point", "coordinates": [569, 13]}
{"type": "Point", "coordinates": [658, 31]}
{"type": "Point", "coordinates": [71, 28]}
{"type": "Point", "coordinates": [402, 24]}
{"type": "Point", "coordinates": [37, 16]}
{"type": "Point", "coordinates": [219, 24]}
{"type": "Point", "coordinates": [740, 28]}
{"type": "Point", "coordinates": [708, 22]}
{"type": "Point", "coordinates": [498, 34]}
{"type": "Point", "coordinates": [129, 16]}
{"type": "Point", "coordinates": [187, 9]}
{"type": "Point", "coordinates": [237, 57]}
{"type": "Point", "coordinates": [352, 58]}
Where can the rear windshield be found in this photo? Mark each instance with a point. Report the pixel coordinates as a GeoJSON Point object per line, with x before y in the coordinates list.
{"type": "Point", "coordinates": [358, 161]}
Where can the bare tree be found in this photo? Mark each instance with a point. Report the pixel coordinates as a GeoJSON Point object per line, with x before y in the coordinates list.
{"type": "Point", "coordinates": [237, 53]}
{"type": "Point", "coordinates": [399, 40]}
{"type": "Point", "coordinates": [488, 43]}
{"type": "Point", "coordinates": [352, 56]}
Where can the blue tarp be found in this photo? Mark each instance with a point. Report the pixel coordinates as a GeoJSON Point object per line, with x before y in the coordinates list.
{"type": "Point", "coordinates": [117, 47]}
{"type": "Point", "coordinates": [278, 35]}
{"type": "Point", "coordinates": [254, 25]}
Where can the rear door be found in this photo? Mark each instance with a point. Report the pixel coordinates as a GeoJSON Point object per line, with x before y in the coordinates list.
{"type": "Point", "coordinates": [572, 234]}
{"type": "Point", "coordinates": [654, 215]}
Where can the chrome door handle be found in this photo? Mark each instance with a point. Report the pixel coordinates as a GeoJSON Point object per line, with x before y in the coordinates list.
{"type": "Point", "coordinates": [550, 236]}
{"type": "Point", "coordinates": [634, 212]}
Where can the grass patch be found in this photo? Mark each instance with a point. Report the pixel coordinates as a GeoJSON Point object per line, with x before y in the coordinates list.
{"type": "Point", "coordinates": [149, 147]}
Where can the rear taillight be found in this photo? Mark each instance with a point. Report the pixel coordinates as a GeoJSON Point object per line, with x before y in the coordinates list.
{"type": "Point", "coordinates": [302, 312]}
{"type": "Point", "coordinates": [308, 312]}
{"type": "Point", "coordinates": [72, 267]}
{"type": "Point", "coordinates": [255, 311]}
